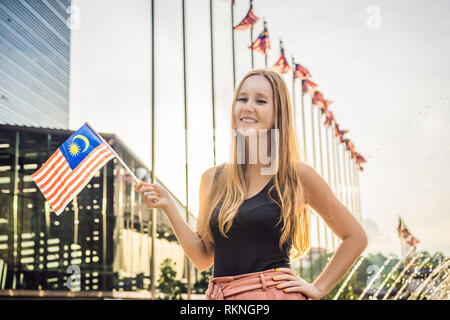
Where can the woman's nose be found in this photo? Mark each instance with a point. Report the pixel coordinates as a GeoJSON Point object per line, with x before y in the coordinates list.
{"type": "Point", "coordinates": [249, 106]}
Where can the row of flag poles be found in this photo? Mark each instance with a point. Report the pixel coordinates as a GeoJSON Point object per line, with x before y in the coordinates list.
{"type": "Point", "coordinates": [85, 151]}
{"type": "Point", "coordinates": [346, 183]}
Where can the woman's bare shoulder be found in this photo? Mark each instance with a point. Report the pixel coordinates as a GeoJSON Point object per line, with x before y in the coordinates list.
{"type": "Point", "coordinates": [210, 172]}
{"type": "Point", "coordinates": [305, 170]}
{"type": "Point", "coordinates": [314, 185]}
{"type": "Point", "coordinates": [208, 175]}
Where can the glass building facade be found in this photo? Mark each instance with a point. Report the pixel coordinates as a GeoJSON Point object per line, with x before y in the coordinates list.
{"type": "Point", "coordinates": [102, 242]}
{"type": "Point", "coordinates": [34, 62]}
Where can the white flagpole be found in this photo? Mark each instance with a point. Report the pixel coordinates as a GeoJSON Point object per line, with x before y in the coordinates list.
{"type": "Point", "coordinates": [115, 154]}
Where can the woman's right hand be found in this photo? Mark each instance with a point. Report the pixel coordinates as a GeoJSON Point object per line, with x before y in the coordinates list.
{"type": "Point", "coordinates": [154, 196]}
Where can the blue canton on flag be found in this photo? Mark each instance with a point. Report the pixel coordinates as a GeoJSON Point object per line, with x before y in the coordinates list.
{"type": "Point", "coordinates": [79, 146]}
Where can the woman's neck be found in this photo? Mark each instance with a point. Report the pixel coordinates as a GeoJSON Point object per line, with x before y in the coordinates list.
{"type": "Point", "coordinates": [256, 170]}
{"type": "Point", "coordinates": [253, 153]}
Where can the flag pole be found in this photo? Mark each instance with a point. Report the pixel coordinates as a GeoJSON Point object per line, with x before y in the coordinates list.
{"type": "Point", "coordinates": [350, 187]}
{"type": "Point", "coordinates": [265, 49]}
{"type": "Point", "coordinates": [353, 186]}
{"type": "Point", "coordinates": [327, 134]}
{"type": "Point", "coordinates": [302, 103]}
{"type": "Point", "coordinates": [212, 80]}
{"type": "Point", "coordinates": [319, 125]}
{"type": "Point", "coordinates": [303, 121]}
{"type": "Point", "coordinates": [344, 166]}
{"type": "Point", "coordinates": [251, 43]}
{"type": "Point", "coordinates": [295, 124]}
{"type": "Point", "coordinates": [315, 166]}
{"type": "Point", "coordinates": [188, 263]}
{"type": "Point", "coordinates": [304, 147]}
{"type": "Point", "coordinates": [293, 95]}
{"type": "Point", "coordinates": [322, 173]}
{"type": "Point", "coordinates": [251, 38]}
{"type": "Point", "coordinates": [153, 216]}
{"type": "Point", "coordinates": [333, 147]}
{"type": "Point", "coordinates": [232, 44]}
{"type": "Point", "coordinates": [329, 182]}
{"type": "Point", "coordinates": [115, 153]}
{"type": "Point", "coordinates": [325, 226]}
{"type": "Point", "coordinates": [358, 188]}
{"type": "Point", "coordinates": [341, 196]}
{"type": "Point", "coordinates": [355, 172]}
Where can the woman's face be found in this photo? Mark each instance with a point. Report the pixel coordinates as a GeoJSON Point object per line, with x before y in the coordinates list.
{"type": "Point", "coordinates": [255, 103]}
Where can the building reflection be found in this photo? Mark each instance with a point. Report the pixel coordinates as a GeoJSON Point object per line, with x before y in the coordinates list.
{"type": "Point", "coordinates": [101, 242]}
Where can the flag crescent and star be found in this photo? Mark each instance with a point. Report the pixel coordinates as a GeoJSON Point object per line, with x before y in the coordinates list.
{"type": "Point", "coordinates": [86, 141]}
{"type": "Point", "coordinates": [79, 145]}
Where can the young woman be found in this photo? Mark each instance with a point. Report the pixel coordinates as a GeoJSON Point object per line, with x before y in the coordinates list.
{"type": "Point", "coordinates": [252, 213]}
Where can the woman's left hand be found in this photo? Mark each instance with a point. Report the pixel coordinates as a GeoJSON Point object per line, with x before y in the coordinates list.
{"type": "Point", "coordinates": [293, 283]}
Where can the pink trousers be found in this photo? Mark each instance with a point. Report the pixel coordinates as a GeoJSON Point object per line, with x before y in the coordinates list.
{"type": "Point", "coordinates": [250, 286]}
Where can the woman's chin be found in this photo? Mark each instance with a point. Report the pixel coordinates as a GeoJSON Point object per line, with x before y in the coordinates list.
{"type": "Point", "coordinates": [248, 131]}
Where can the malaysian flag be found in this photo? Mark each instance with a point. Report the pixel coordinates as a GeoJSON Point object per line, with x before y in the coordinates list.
{"type": "Point", "coordinates": [249, 20]}
{"type": "Point", "coordinates": [261, 44]}
{"type": "Point", "coordinates": [301, 72]}
{"type": "Point", "coordinates": [329, 118]}
{"type": "Point", "coordinates": [339, 133]}
{"type": "Point", "coordinates": [318, 100]}
{"type": "Point", "coordinates": [71, 167]}
{"type": "Point", "coordinates": [282, 66]}
{"type": "Point", "coordinates": [349, 145]}
{"type": "Point", "coordinates": [308, 87]}
{"type": "Point", "coordinates": [405, 235]}
{"type": "Point", "coordinates": [359, 158]}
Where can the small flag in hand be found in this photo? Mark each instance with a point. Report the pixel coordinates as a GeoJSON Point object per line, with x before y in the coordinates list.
{"type": "Point", "coordinates": [71, 167]}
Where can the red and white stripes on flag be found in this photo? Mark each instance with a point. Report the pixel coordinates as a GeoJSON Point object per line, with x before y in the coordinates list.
{"type": "Point", "coordinates": [60, 184]}
{"type": "Point", "coordinates": [249, 20]}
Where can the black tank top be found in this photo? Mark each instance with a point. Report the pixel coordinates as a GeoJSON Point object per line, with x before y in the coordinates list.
{"type": "Point", "coordinates": [252, 243]}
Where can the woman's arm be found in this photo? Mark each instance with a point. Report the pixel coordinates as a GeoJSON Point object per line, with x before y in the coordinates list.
{"type": "Point", "coordinates": [156, 197]}
{"type": "Point", "coordinates": [354, 239]}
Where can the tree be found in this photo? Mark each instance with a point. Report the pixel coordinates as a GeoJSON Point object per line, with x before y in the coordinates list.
{"type": "Point", "coordinates": [202, 284]}
{"type": "Point", "coordinates": [167, 282]}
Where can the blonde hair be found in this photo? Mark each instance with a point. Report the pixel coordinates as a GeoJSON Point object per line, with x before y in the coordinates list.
{"type": "Point", "coordinates": [229, 188]}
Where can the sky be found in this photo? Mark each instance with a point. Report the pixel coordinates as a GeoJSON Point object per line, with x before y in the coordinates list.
{"type": "Point", "coordinates": [384, 64]}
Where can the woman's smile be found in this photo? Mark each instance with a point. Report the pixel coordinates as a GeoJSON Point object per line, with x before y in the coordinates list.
{"type": "Point", "coordinates": [248, 120]}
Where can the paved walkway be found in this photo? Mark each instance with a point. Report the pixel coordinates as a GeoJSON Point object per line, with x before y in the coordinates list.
{"type": "Point", "coordinates": [194, 296]}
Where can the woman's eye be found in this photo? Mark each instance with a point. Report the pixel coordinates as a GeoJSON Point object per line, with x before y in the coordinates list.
{"type": "Point", "coordinates": [245, 99]}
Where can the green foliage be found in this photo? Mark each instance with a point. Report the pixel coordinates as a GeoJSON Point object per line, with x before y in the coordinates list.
{"type": "Point", "coordinates": [168, 285]}
{"type": "Point", "coordinates": [202, 284]}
